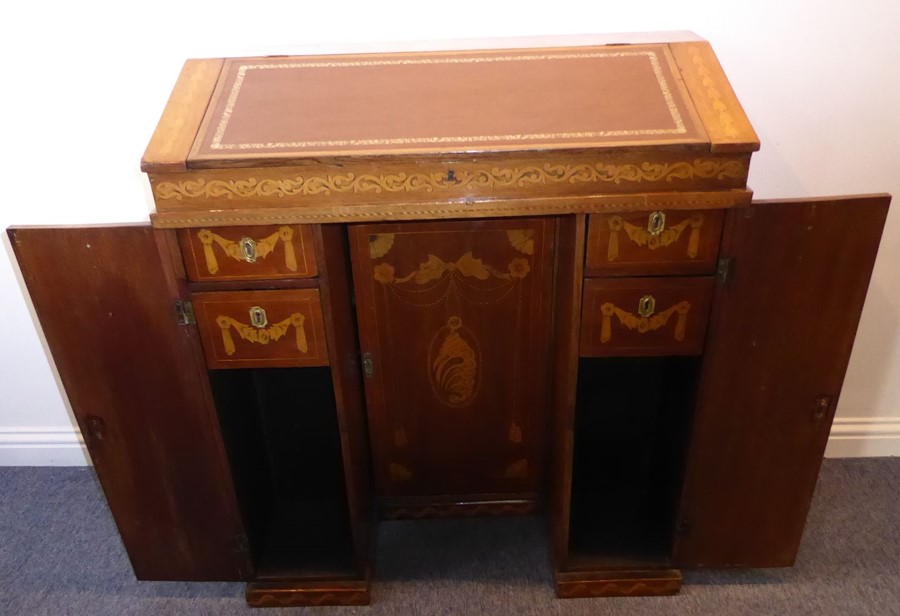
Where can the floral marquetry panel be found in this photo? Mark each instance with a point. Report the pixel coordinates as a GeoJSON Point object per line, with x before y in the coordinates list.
{"type": "Point", "coordinates": [261, 329]}
{"type": "Point", "coordinates": [455, 319]}
{"type": "Point", "coordinates": [654, 242]}
{"type": "Point", "coordinates": [645, 316]}
{"type": "Point", "coordinates": [252, 253]}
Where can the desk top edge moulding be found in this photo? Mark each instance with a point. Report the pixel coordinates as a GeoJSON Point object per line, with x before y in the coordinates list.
{"type": "Point", "coordinates": [406, 136]}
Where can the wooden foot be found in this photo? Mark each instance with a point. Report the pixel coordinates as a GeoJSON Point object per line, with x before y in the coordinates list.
{"type": "Point", "coordinates": [621, 583]}
{"type": "Point", "coordinates": [299, 593]}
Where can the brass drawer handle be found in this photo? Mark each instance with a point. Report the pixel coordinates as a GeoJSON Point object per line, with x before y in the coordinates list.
{"type": "Point", "coordinates": [656, 223]}
{"type": "Point", "coordinates": [248, 249]}
{"type": "Point", "coordinates": [258, 317]}
{"type": "Point", "coordinates": [646, 306]}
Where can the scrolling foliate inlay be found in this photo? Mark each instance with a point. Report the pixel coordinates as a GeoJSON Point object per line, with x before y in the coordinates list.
{"type": "Point", "coordinates": [516, 177]}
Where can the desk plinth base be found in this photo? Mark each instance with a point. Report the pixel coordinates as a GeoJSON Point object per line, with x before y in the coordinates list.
{"type": "Point", "coordinates": [618, 583]}
{"type": "Point", "coordinates": [311, 593]}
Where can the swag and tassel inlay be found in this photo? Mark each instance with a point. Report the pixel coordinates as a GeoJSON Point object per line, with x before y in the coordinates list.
{"type": "Point", "coordinates": [247, 249]}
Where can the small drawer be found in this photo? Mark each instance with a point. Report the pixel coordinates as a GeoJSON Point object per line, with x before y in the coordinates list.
{"type": "Point", "coordinates": [645, 316]}
{"type": "Point", "coordinates": [261, 329]}
{"type": "Point", "coordinates": [653, 243]}
{"type": "Point", "coordinates": [241, 253]}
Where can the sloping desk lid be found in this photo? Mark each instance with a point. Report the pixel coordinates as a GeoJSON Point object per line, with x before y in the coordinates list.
{"type": "Point", "coordinates": [292, 108]}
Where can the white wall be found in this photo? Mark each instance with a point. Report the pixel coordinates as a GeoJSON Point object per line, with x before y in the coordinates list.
{"type": "Point", "coordinates": [83, 85]}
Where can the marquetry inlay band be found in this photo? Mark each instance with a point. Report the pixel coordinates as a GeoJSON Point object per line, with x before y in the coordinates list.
{"type": "Point", "coordinates": [677, 127]}
{"type": "Point", "coordinates": [461, 181]}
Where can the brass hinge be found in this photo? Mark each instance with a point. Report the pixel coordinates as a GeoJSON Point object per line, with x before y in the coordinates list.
{"type": "Point", "coordinates": [683, 527]}
{"type": "Point", "coordinates": [724, 270]}
{"type": "Point", "coordinates": [184, 313]}
{"type": "Point", "coordinates": [241, 543]}
{"type": "Point", "coordinates": [368, 365]}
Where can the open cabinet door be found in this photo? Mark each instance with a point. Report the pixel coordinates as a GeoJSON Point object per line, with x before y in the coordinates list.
{"type": "Point", "coordinates": [781, 331]}
{"type": "Point", "coordinates": [106, 301]}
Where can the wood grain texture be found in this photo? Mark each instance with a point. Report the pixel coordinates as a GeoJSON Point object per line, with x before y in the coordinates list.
{"type": "Point", "coordinates": [277, 252]}
{"type": "Point", "coordinates": [622, 244]}
{"type": "Point", "coordinates": [612, 326]}
{"type": "Point", "coordinates": [622, 583]}
{"type": "Point", "coordinates": [568, 280]}
{"type": "Point", "coordinates": [292, 335]}
{"type": "Point", "coordinates": [726, 123]}
{"type": "Point", "coordinates": [781, 332]}
{"type": "Point", "coordinates": [440, 210]}
{"type": "Point", "coordinates": [296, 594]}
{"type": "Point", "coordinates": [105, 298]}
{"type": "Point", "coordinates": [174, 135]}
{"type": "Point", "coordinates": [456, 321]}
{"type": "Point", "coordinates": [333, 254]}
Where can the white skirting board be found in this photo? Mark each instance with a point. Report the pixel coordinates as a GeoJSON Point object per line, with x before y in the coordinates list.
{"type": "Point", "coordinates": [864, 437]}
{"type": "Point", "coordinates": [851, 437]}
{"type": "Point", "coordinates": [61, 446]}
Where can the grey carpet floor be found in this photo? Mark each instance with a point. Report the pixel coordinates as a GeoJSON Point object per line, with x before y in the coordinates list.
{"type": "Point", "coordinates": [60, 554]}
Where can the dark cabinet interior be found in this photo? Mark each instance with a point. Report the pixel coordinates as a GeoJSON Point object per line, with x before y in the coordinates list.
{"type": "Point", "coordinates": [631, 424]}
{"type": "Point", "coordinates": [281, 432]}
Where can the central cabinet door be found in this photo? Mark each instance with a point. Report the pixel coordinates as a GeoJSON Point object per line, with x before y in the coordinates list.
{"type": "Point", "coordinates": [454, 325]}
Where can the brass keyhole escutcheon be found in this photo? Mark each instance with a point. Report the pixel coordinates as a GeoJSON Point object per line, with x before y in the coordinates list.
{"type": "Point", "coordinates": [656, 223]}
{"type": "Point", "coordinates": [258, 317]}
{"type": "Point", "coordinates": [646, 305]}
{"type": "Point", "coordinates": [248, 249]}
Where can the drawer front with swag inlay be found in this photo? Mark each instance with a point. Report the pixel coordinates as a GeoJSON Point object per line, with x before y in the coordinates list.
{"type": "Point", "coordinates": [645, 316]}
{"type": "Point", "coordinates": [261, 329]}
{"type": "Point", "coordinates": [242, 253]}
{"type": "Point", "coordinates": [653, 243]}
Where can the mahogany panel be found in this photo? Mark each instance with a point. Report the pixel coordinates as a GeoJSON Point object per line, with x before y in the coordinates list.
{"type": "Point", "coordinates": [781, 332]}
{"type": "Point", "coordinates": [454, 326]}
{"type": "Point", "coordinates": [644, 316]}
{"type": "Point", "coordinates": [653, 243]}
{"type": "Point", "coordinates": [105, 298]}
{"type": "Point", "coordinates": [343, 352]}
{"type": "Point", "coordinates": [288, 332]}
{"type": "Point", "coordinates": [254, 253]}
{"type": "Point", "coordinates": [568, 282]}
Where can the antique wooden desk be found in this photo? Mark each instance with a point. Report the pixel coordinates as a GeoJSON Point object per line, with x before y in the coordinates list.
{"type": "Point", "coordinates": [465, 283]}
